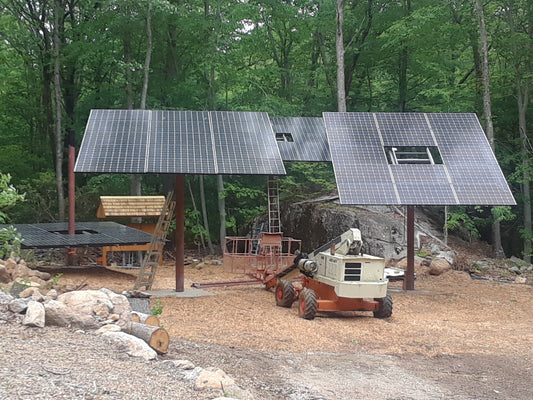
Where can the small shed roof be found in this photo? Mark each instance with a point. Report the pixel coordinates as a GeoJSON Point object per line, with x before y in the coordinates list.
{"type": "Point", "coordinates": [130, 206]}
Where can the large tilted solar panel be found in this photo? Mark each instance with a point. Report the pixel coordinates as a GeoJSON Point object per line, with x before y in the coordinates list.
{"type": "Point", "coordinates": [179, 142]}
{"type": "Point", "coordinates": [463, 169]}
{"type": "Point", "coordinates": [301, 138]}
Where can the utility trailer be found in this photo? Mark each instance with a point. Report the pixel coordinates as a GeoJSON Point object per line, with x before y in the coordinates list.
{"type": "Point", "coordinates": [336, 277]}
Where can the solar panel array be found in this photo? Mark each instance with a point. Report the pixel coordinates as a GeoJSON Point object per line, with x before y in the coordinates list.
{"type": "Point", "coordinates": [179, 142]}
{"type": "Point", "coordinates": [55, 234]}
{"type": "Point", "coordinates": [309, 143]}
{"type": "Point", "coordinates": [468, 175]}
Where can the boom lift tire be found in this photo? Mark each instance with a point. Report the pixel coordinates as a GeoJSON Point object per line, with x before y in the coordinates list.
{"type": "Point", "coordinates": [284, 293]}
{"type": "Point", "coordinates": [307, 304]}
{"type": "Point", "coordinates": [385, 307]}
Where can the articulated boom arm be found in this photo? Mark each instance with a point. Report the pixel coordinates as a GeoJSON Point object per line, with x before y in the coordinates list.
{"type": "Point", "coordinates": [349, 242]}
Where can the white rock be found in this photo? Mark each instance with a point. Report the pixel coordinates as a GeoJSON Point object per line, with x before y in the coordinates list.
{"type": "Point", "coordinates": [85, 300]}
{"type": "Point", "coordinates": [236, 392]}
{"type": "Point", "coordinates": [59, 314]}
{"type": "Point", "coordinates": [107, 328]}
{"type": "Point", "coordinates": [18, 306]}
{"type": "Point", "coordinates": [213, 378]}
{"type": "Point", "coordinates": [35, 315]}
{"type": "Point", "coordinates": [133, 346]}
{"type": "Point", "coordinates": [52, 294]}
{"type": "Point", "coordinates": [183, 364]}
{"type": "Point", "coordinates": [5, 298]}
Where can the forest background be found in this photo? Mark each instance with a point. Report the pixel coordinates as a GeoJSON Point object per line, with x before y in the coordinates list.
{"type": "Point", "coordinates": [61, 58]}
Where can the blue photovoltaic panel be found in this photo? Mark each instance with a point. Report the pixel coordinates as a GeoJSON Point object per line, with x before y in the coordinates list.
{"type": "Point", "coordinates": [469, 173]}
{"type": "Point", "coordinates": [242, 145]}
{"type": "Point", "coordinates": [308, 135]}
{"type": "Point", "coordinates": [179, 142]}
{"type": "Point", "coordinates": [117, 142]}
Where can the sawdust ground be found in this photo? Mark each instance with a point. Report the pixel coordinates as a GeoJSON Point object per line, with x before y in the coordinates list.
{"type": "Point", "coordinates": [445, 315]}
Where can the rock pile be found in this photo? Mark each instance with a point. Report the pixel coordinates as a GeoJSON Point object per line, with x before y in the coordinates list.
{"type": "Point", "coordinates": [15, 275]}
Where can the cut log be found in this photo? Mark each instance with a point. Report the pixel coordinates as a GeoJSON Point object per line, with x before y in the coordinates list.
{"type": "Point", "coordinates": [145, 318]}
{"type": "Point", "coordinates": [156, 337]}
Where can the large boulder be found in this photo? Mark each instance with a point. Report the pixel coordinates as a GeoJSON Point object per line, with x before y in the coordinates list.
{"type": "Point", "coordinates": [59, 314]}
{"type": "Point", "coordinates": [438, 266]}
{"type": "Point", "coordinates": [89, 309]}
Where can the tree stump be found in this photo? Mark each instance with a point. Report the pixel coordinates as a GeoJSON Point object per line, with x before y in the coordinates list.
{"type": "Point", "coordinates": [145, 318]}
{"type": "Point", "coordinates": [156, 337]}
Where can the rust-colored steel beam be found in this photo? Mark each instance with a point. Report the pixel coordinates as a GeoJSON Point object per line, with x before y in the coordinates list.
{"type": "Point", "coordinates": [71, 191]}
{"type": "Point", "coordinates": [409, 281]}
{"type": "Point", "coordinates": [179, 191]}
{"type": "Point", "coordinates": [242, 282]}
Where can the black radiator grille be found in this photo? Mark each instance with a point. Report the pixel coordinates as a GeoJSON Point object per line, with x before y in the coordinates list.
{"type": "Point", "coordinates": [352, 272]}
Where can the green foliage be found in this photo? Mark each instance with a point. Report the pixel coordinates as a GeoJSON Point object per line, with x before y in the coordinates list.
{"type": "Point", "coordinates": [157, 308]}
{"type": "Point", "coordinates": [41, 200]}
{"type": "Point", "coordinates": [10, 241]}
{"type": "Point", "coordinates": [8, 195]}
{"type": "Point", "coordinates": [194, 230]}
{"type": "Point", "coordinates": [307, 179]}
{"type": "Point", "coordinates": [55, 279]}
{"type": "Point", "coordinates": [463, 223]}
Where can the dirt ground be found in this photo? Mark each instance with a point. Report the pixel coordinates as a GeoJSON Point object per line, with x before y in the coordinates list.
{"type": "Point", "coordinates": [453, 337]}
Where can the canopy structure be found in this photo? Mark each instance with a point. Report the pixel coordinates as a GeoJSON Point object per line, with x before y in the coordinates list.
{"type": "Point", "coordinates": [55, 235]}
{"type": "Point", "coordinates": [179, 142]}
{"type": "Point", "coordinates": [378, 158]}
{"type": "Point", "coordinates": [414, 159]}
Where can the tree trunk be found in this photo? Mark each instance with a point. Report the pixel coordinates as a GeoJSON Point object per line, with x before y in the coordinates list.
{"type": "Point", "coordinates": [156, 337]}
{"type": "Point", "coordinates": [487, 110]}
{"type": "Point", "coordinates": [146, 319]}
{"type": "Point", "coordinates": [403, 65]}
{"type": "Point", "coordinates": [58, 122]}
{"type": "Point", "coordinates": [222, 211]}
{"type": "Point", "coordinates": [523, 101]}
{"type": "Point", "coordinates": [339, 46]}
{"type": "Point", "coordinates": [204, 214]}
{"type": "Point", "coordinates": [148, 57]}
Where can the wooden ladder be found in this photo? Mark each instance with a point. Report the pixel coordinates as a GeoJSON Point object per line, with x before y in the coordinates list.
{"type": "Point", "coordinates": [154, 253]}
{"type": "Point", "coordinates": [274, 218]}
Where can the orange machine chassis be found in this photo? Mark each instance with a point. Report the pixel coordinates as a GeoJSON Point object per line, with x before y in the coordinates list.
{"type": "Point", "coordinates": [327, 299]}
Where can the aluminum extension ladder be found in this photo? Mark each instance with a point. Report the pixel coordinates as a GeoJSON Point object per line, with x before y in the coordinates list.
{"type": "Point", "coordinates": [274, 217]}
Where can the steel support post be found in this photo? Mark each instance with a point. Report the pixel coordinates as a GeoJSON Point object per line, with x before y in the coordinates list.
{"type": "Point", "coordinates": [409, 281]}
{"type": "Point", "coordinates": [71, 191]}
{"type": "Point", "coordinates": [179, 190]}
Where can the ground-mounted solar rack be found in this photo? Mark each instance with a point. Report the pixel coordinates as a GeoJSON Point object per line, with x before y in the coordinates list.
{"type": "Point", "coordinates": [414, 159]}
{"type": "Point", "coordinates": [179, 142]}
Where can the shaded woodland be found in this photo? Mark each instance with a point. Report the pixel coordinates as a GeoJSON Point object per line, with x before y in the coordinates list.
{"type": "Point", "coordinates": [61, 58]}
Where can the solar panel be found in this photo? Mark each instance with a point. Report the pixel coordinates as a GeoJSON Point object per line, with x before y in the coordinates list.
{"type": "Point", "coordinates": [414, 159]}
{"type": "Point", "coordinates": [55, 234]}
{"type": "Point", "coordinates": [179, 142]}
{"type": "Point", "coordinates": [301, 138]}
